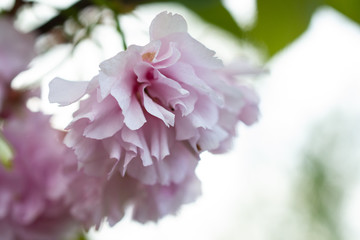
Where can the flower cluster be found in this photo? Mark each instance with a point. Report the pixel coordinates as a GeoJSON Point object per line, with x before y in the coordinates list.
{"type": "Point", "coordinates": [135, 140]}
{"type": "Point", "coordinates": [33, 188]}
{"type": "Point", "coordinates": [33, 184]}
{"type": "Point", "coordinates": [151, 111]}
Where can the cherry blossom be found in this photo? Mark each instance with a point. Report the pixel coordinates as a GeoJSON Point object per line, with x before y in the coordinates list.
{"type": "Point", "coordinates": [33, 184]}
{"type": "Point", "coordinates": [148, 99]}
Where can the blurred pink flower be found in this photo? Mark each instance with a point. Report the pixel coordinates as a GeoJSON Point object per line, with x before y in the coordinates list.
{"type": "Point", "coordinates": [16, 50]}
{"type": "Point", "coordinates": [32, 190]}
{"type": "Point", "coordinates": [43, 196]}
{"type": "Point", "coordinates": [153, 108]}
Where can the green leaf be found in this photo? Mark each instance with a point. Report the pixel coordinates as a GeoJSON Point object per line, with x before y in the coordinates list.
{"type": "Point", "coordinates": [215, 13]}
{"type": "Point", "coordinates": [6, 153]}
{"type": "Point", "coordinates": [280, 22]}
{"type": "Point", "coordinates": [350, 8]}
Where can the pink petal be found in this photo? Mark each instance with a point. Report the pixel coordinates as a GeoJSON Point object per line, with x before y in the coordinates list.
{"type": "Point", "coordinates": [25, 212]}
{"type": "Point", "coordinates": [185, 74]}
{"type": "Point", "coordinates": [145, 174]}
{"type": "Point", "coordinates": [5, 200]}
{"type": "Point", "coordinates": [161, 140]}
{"type": "Point", "coordinates": [151, 47]}
{"type": "Point", "coordinates": [194, 52]}
{"type": "Point", "coordinates": [184, 129]}
{"type": "Point", "coordinates": [165, 24]}
{"type": "Point", "coordinates": [106, 84]}
{"type": "Point", "coordinates": [156, 201]}
{"type": "Point", "coordinates": [66, 92]}
{"type": "Point", "coordinates": [137, 138]}
{"type": "Point", "coordinates": [211, 139]}
{"type": "Point", "coordinates": [205, 114]}
{"type": "Point", "coordinates": [158, 111]}
{"type": "Point", "coordinates": [169, 58]}
{"type": "Point", "coordinates": [104, 127]}
{"type": "Point", "coordinates": [133, 116]}
{"type": "Point", "coordinates": [113, 148]}
{"type": "Point", "coordinates": [116, 65]}
{"type": "Point", "coordinates": [167, 90]}
{"type": "Point", "coordinates": [116, 71]}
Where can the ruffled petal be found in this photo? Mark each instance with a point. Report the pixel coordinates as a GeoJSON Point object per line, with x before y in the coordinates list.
{"type": "Point", "coordinates": [133, 116]}
{"type": "Point", "coordinates": [169, 58]}
{"type": "Point", "coordinates": [165, 24]}
{"type": "Point", "coordinates": [158, 111]}
{"type": "Point", "coordinates": [105, 126]}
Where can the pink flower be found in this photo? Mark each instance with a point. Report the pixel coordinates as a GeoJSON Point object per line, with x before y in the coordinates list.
{"type": "Point", "coordinates": [43, 196]}
{"type": "Point", "coordinates": [32, 190]}
{"type": "Point", "coordinates": [16, 50]}
{"type": "Point", "coordinates": [149, 113]}
{"type": "Point", "coordinates": [153, 108]}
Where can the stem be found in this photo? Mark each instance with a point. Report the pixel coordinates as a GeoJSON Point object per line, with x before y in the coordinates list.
{"type": "Point", "coordinates": [118, 28]}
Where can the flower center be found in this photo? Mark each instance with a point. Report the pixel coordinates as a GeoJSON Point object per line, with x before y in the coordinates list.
{"type": "Point", "coordinates": [148, 57]}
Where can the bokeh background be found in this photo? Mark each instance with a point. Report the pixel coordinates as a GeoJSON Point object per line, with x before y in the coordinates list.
{"type": "Point", "coordinates": [295, 173]}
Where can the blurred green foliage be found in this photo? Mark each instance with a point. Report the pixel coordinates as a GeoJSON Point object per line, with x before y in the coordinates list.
{"type": "Point", "coordinates": [350, 8]}
{"type": "Point", "coordinates": [278, 23]}
{"type": "Point", "coordinates": [215, 13]}
{"type": "Point", "coordinates": [319, 196]}
{"type": "Point", "coordinates": [327, 172]}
